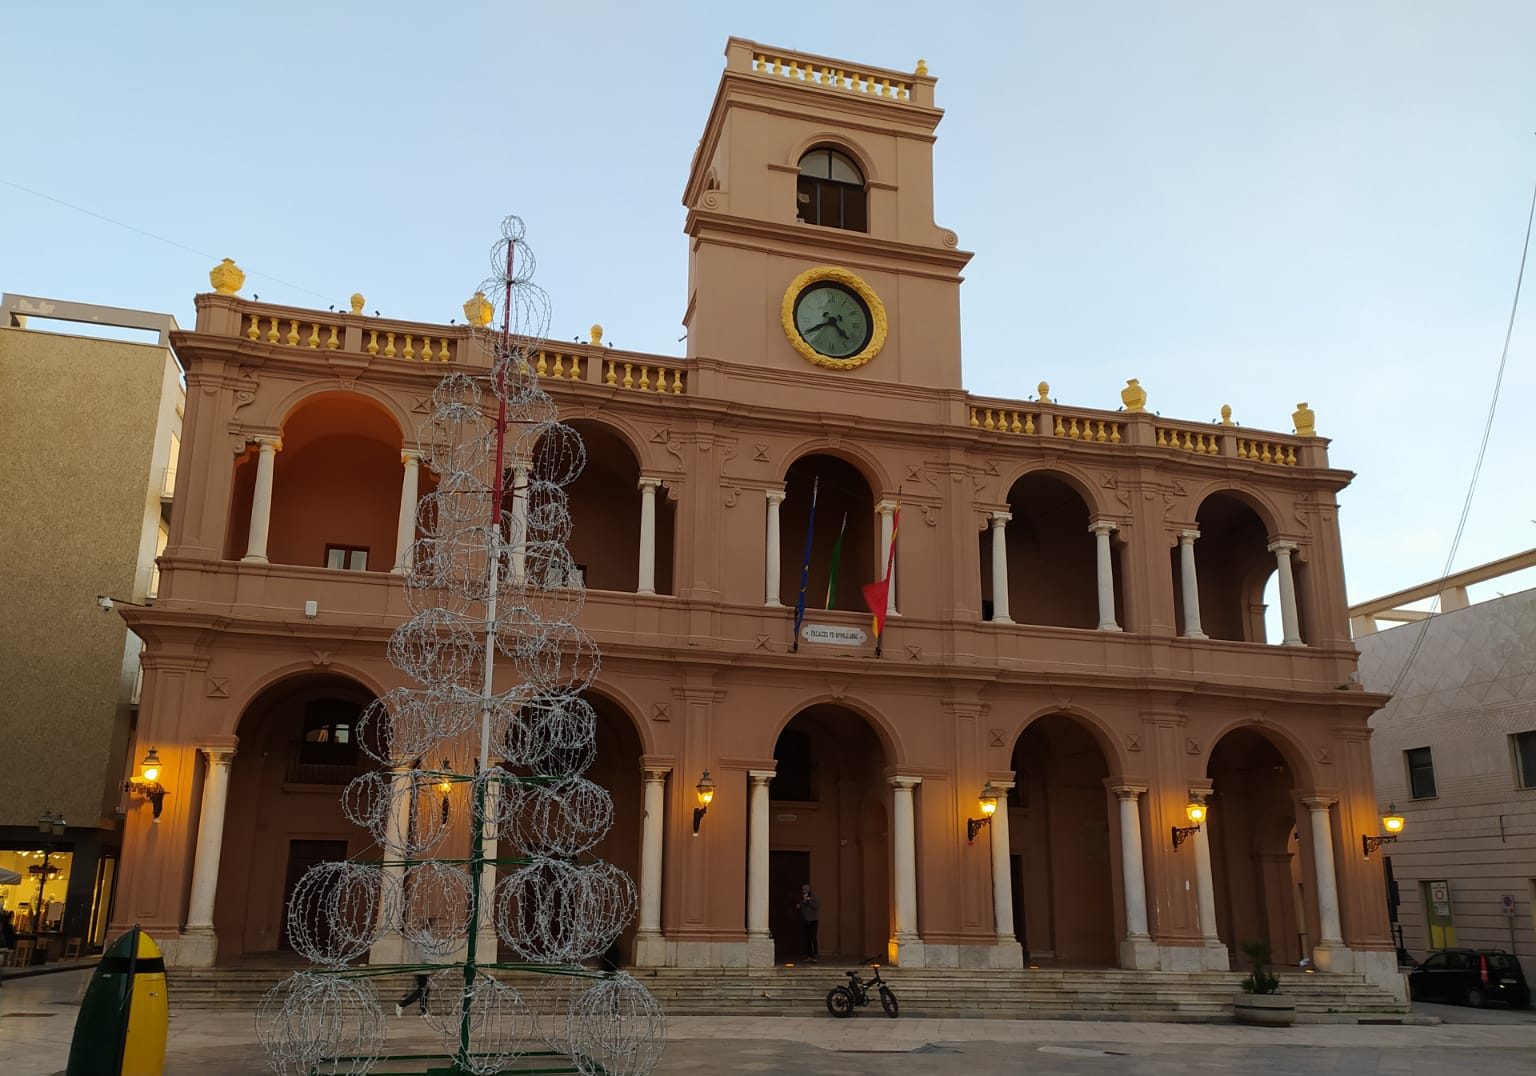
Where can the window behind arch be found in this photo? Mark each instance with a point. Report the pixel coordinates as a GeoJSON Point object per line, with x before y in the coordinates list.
{"type": "Point", "coordinates": [830, 191]}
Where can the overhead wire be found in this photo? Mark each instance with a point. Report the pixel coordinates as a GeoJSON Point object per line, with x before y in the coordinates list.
{"type": "Point", "coordinates": [1482, 451]}
{"type": "Point", "coordinates": [158, 238]}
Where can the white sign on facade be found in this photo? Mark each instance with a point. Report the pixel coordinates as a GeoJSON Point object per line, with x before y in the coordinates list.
{"type": "Point", "coordinates": [831, 633]}
{"type": "Point", "coordinates": [1509, 905]}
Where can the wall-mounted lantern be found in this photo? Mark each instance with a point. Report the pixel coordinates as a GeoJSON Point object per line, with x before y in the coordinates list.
{"type": "Point", "coordinates": [1194, 810]}
{"type": "Point", "coordinates": [706, 793]}
{"type": "Point", "coordinates": [1392, 822]}
{"type": "Point", "coordinates": [988, 803]}
{"type": "Point", "coordinates": [147, 783]}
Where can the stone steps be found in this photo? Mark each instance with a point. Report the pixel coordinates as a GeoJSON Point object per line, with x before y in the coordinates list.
{"type": "Point", "coordinates": [1049, 994]}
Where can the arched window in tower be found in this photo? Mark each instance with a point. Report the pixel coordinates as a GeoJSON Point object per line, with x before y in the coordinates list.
{"type": "Point", "coordinates": [831, 192]}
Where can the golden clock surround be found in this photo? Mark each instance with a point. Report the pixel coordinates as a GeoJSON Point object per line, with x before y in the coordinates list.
{"type": "Point", "coordinates": [855, 283]}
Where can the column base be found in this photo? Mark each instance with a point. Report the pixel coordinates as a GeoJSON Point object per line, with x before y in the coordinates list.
{"type": "Point", "coordinates": [1196, 635]}
{"type": "Point", "coordinates": [1006, 955]}
{"type": "Point", "coordinates": [1217, 957]}
{"type": "Point", "coordinates": [389, 949]}
{"type": "Point", "coordinates": [1333, 957]}
{"type": "Point", "coordinates": [1110, 627]}
{"type": "Point", "coordinates": [760, 950]}
{"type": "Point", "coordinates": [1140, 953]}
{"type": "Point", "coordinates": [907, 951]}
{"type": "Point", "coordinates": [254, 558]}
{"type": "Point", "coordinates": [650, 950]}
{"type": "Point", "coordinates": [197, 947]}
{"type": "Point", "coordinates": [1002, 620]}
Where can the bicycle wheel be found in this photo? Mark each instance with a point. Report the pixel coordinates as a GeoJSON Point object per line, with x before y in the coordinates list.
{"type": "Point", "coordinates": [888, 1002]}
{"type": "Point", "coordinates": [839, 1002]}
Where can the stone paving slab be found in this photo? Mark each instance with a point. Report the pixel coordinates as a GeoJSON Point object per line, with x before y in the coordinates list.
{"type": "Point", "coordinates": [37, 1018]}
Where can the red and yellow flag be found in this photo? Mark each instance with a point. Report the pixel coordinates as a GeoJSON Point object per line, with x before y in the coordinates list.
{"type": "Point", "coordinates": [878, 595]}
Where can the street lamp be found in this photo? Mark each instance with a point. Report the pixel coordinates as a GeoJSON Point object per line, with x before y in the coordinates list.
{"type": "Point", "coordinates": [50, 825]}
{"type": "Point", "coordinates": [988, 803]}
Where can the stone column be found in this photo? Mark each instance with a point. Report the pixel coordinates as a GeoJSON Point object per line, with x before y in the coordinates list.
{"type": "Point", "coordinates": [1002, 883]}
{"type": "Point", "coordinates": [199, 946]}
{"type": "Point", "coordinates": [519, 534]}
{"type": "Point", "coordinates": [1290, 621]}
{"type": "Point", "coordinates": [1189, 585]}
{"type": "Point", "coordinates": [405, 531]}
{"type": "Point", "coordinates": [887, 510]}
{"type": "Point", "coordinates": [650, 950]}
{"type": "Point", "coordinates": [389, 948]}
{"type": "Point", "coordinates": [1136, 950]}
{"type": "Point", "coordinates": [1217, 958]}
{"type": "Point", "coordinates": [1330, 945]}
{"type": "Point", "coordinates": [771, 565]}
{"type": "Point", "coordinates": [486, 941]}
{"type": "Point", "coordinates": [648, 535]}
{"type": "Point", "coordinates": [261, 500]}
{"type": "Point", "coordinates": [1000, 521]}
{"type": "Point", "coordinates": [906, 947]}
{"type": "Point", "coordinates": [759, 939]}
{"type": "Point", "coordinates": [1101, 531]}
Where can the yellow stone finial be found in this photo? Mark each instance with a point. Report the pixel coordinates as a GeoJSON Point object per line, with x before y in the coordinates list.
{"type": "Point", "coordinates": [478, 310]}
{"type": "Point", "coordinates": [357, 302]}
{"type": "Point", "coordinates": [1045, 391]}
{"type": "Point", "coordinates": [226, 277]}
{"type": "Point", "coordinates": [1133, 396]}
{"type": "Point", "coordinates": [597, 335]}
{"type": "Point", "coordinates": [922, 68]}
{"type": "Point", "coordinates": [1226, 414]}
{"type": "Point", "coordinates": [1305, 420]}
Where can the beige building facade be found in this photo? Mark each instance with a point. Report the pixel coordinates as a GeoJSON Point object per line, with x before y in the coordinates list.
{"type": "Point", "coordinates": [101, 420]}
{"type": "Point", "coordinates": [1455, 752]}
{"type": "Point", "coordinates": [1076, 614]}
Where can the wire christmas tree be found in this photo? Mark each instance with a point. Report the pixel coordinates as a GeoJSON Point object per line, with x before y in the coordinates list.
{"type": "Point", "coordinates": [495, 769]}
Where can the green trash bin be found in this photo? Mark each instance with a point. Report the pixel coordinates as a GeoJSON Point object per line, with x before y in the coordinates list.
{"type": "Point", "coordinates": [124, 1016]}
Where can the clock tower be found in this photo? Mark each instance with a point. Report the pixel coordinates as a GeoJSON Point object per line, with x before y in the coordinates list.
{"type": "Point", "coordinates": [812, 244]}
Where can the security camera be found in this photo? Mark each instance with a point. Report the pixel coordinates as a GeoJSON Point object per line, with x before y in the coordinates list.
{"type": "Point", "coordinates": [105, 603]}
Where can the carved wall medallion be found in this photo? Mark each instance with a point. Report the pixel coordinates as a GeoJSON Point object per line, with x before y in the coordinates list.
{"type": "Point", "coordinates": [218, 687]}
{"type": "Point", "coordinates": [995, 738]}
{"type": "Point", "coordinates": [1191, 746]}
{"type": "Point", "coordinates": [661, 711]}
{"type": "Point", "coordinates": [760, 453]}
{"type": "Point", "coordinates": [1133, 741]}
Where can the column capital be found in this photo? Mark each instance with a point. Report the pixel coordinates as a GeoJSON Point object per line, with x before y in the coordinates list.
{"type": "Point", "coordinates": [1000, 519]}
{"type": "Point", "coordinates": [1000, 785]}
{"type": "Point", "coordinates": [776, 496]}
{"type": "Point", "coordinates": [647, 483]}
{"type": "Point", "coordinates": [1200, 792]}
{"type": "Point", "coordinates": [1282, 546]}
{"type": "Point", "coordinates": [904, 783]}
{"type": "Point", "coordinates": [1102, 526]}
{"type": "Point", "coordinates": [266, 440]}
{"type": "Point", "coordinates": [886, 506]}
{"type": "Point", "coordinates": [1126, 792]}
{"type": "Point", "coordinates": [409, 456]}
{"type": "Point", "coordinates": [1188, 536]}
{"type": "Point", "coordinates": [761, 777]}
{"type": "Point", "coordinates": [1317, 804]}
{"type": "Point", "coordinates": [218, 754]}
{"type": "Point", "coordinates": [654, 775]}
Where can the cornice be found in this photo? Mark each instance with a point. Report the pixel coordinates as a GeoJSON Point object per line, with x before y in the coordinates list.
{"type": "Point", "coordinates": [823, 244]}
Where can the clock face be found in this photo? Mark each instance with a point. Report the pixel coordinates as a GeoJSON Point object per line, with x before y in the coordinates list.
{"type": "Point", "coordinates": [832, 319]}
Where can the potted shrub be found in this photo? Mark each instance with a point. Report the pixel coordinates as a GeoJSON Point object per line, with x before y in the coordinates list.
{"type": "Point", "coordinates": [1261, 1002]}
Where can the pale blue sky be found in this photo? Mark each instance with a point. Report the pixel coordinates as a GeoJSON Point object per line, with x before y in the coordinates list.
{"type": "Point", "coordinates": [1238, 203]}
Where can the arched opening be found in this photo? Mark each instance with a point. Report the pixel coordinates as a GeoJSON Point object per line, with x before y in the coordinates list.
{"type": "Point", "coordinates": [1052, 557]}
{"type": "Point", "coordinates": [843, 500]}
{"type": "Point", "coordinates": [605, 516]}
{"type": "Point", "coordinates": [830, 191]}
{"type": "Point", "coordinates": [335, 487]}
{"type": "Point", "coordinates": [830, 828]}
{"type": "Point", "coordinates": [1232, 566]}
{"type": "Point", "coordinates": [1059, 819]}
{"type": "Point", "coordinates": [1255, 863]}
{"type": "Point", "coordinates": [617, 769]}
{"type": "Point", "coordinates": [298, 749]}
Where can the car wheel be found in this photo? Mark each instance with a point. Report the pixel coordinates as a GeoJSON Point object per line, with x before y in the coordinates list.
{"type": "Point", "coordinates": [1474, 997]}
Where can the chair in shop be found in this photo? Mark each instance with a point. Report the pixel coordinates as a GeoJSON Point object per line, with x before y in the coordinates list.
{"type": "Point", "coordinates": [72, 948]}
{"type": "Point", "coordinates": [21, 956]}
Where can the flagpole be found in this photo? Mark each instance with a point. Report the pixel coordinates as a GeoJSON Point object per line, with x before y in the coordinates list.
{"type": "Point", "coordinates": [805, 567]}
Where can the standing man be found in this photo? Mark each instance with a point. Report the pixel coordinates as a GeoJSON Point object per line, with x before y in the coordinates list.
{"type": "Point", "coordinates": [810, 916]}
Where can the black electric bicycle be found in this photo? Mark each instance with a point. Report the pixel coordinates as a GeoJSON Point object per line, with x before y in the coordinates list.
{"type": "Point", "coordinates": [841, 1000]}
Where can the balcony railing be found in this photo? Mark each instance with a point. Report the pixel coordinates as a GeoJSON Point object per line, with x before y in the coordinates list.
{"type": "Point", "coordinates": [321, 767]}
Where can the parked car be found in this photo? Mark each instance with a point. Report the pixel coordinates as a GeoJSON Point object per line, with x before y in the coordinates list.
{"type": "Point", "coordinates": [1471, 977]}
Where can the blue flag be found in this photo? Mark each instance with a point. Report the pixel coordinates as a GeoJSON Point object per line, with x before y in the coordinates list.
{"type": "Point", "coordinates": [805, 566]}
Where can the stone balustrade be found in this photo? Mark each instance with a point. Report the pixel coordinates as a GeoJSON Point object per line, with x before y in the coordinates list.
{"type": "Point", "coordinates": [881, 84]}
